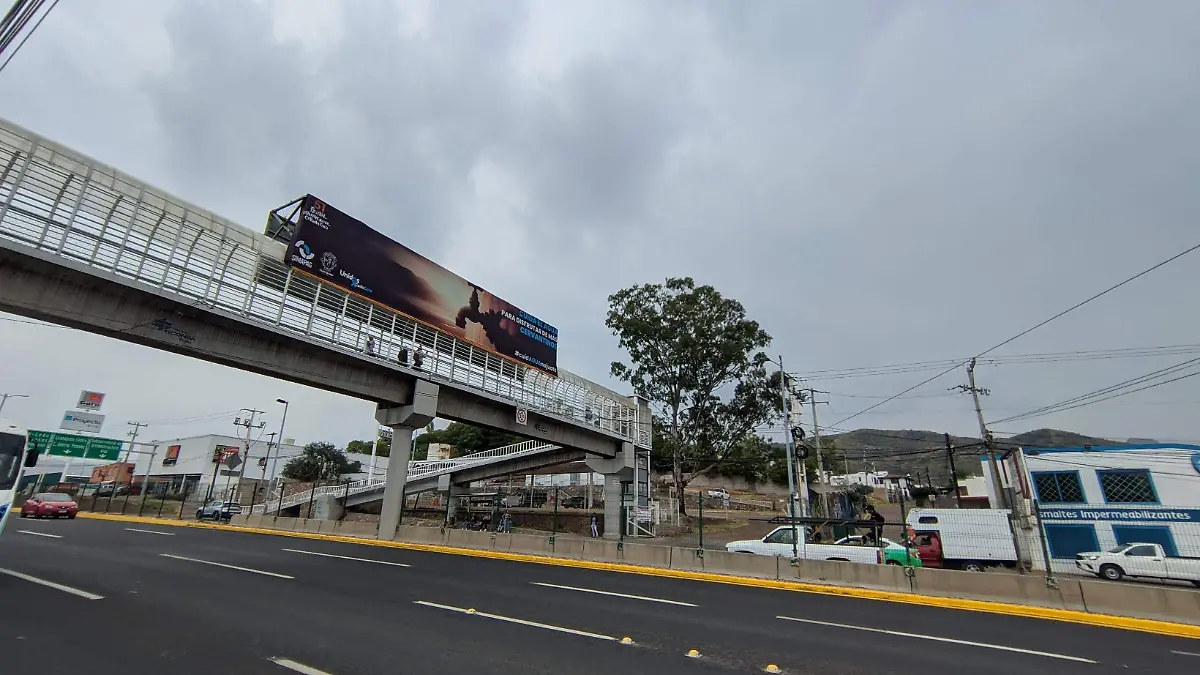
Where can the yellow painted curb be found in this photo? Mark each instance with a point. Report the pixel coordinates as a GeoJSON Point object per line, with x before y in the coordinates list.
{"type": "Point", "coordinates": [991, 607]}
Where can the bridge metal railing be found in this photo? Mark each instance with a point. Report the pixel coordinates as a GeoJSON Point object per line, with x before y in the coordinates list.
{"type": "Point", "coordinates": [417, 470]}
{"type": "Point", "coordinates": [59, 201]}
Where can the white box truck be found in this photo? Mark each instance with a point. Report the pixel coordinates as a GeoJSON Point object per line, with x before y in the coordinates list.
{"type": "Point", "coordinates": [963, 539]}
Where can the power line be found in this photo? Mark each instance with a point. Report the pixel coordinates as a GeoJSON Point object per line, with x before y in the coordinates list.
{"type": "Point", "coordinates": [13, 27]}
{"type": "Point", "coordinates": [1027, 331]}
{"type": "Point", "coordinates": [1112, 396]}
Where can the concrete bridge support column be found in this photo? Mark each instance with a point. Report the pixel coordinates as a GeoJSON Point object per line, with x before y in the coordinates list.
{"type": "Point", "coordinates": [452, 492]}
{"type": "Point", "coordinates": [403, 421]}
{"type": "Point", "coordinates": [615, 471]}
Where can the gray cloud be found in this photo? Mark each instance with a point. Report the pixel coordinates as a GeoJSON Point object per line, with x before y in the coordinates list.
{"type": "Point", "coordinates": [877, 184]}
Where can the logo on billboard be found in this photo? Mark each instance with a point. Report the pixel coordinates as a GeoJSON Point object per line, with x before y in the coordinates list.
{"type": "Point", "coordinates": [355, 283]}
{"type": "Point", "coordinates": [328, 262]}
{"type": "Point", "coordinates": [172, 455]}
{"type": "Point", "coordinates": [315, 214]}
{"type": "Point", "coordinates": [303, 255]}
{"type": "Point", "coordinates": [82, 421]}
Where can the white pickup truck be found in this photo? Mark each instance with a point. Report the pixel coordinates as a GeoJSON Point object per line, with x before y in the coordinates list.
{"type": "Point", "coordinates": [780, 543]}
{"type": "Point", "coordinates": [1139, 560]}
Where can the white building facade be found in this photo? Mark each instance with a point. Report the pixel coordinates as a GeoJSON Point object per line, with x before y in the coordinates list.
{"type": "Point", "coordinates": [1097, 497]}
{"type": "Point", "coordinates": [197, 459]}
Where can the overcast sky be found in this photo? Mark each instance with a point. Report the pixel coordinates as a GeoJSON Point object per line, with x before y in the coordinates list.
{"type": "Point", "coordinates": [878, 182]}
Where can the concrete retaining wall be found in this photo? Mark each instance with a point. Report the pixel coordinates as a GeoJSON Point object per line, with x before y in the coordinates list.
{"type": "Point", "coordinates": [1148, 601]}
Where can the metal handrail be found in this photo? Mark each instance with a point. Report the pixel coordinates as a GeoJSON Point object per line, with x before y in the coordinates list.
{"type": "Point", "coordinates": [419, 469]}
{"type": "Point", "coordinates": [59, 201]}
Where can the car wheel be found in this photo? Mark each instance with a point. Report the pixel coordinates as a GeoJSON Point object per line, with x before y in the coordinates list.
{"type": "Point", "coordinates": [1111, 572]}
{"type": "Point", "coordinates": [71, 517]}
{"type": "Point", "coordinates": [972, 566]}
{"type": "Point", "coordinates": [1196, 584]}
{"type": "Point", "coordinates": [24, 515]}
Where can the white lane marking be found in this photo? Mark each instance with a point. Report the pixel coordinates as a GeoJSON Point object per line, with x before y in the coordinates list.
{"type": "Point", "coordinates": [616, 595]}
{"type": "Point", "coordinates": [51, 584]}
{"type": "Point", "coordinates": [940, 639]}
{"type": "Point", "coordinates": [1184, 653]}
{"type": "Point", "coordinates": [165, 534]}
{"type": "Point", "coordinates": [231, 567]}
{"type": "Point", "coordinates": [522, 622]}
{"type": "Point", "coordinates": [41, 534]}
{"type": "Point", "coordinates": [296, 666]}
{"type": "Point", "coordinates": [346, 557]}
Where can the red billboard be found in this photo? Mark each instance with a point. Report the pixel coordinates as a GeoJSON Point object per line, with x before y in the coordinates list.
{"type": "Point", "coordinates": [343, 251]}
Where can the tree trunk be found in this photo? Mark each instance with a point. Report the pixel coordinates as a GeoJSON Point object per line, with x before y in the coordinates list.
{"type": "Point", "coordinates": [677, 472]}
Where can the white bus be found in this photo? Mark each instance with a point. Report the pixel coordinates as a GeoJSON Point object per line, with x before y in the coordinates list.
{"type": "Point", "coordinates": [13, 459]}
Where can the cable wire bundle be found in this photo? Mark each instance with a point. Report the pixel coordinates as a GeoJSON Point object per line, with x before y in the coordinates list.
{"type": "Point", "coordinates": [14, 22]}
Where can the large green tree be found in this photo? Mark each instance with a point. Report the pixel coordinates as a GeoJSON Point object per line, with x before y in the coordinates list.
{"type": "Point", "coordinates": [697, 359]}
{"type": "Point", "coordinates": [319, 461]}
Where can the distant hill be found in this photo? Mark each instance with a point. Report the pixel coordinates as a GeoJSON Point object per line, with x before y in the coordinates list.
{"type": "Point", "coordinates": [914, 452]}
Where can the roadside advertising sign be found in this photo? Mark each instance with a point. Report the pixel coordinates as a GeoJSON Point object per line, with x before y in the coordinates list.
{"type": "Point", "coordinates": [82, 421]}
{"type": "Point", "coordinates": [90, 400]}
{"type": "Point", "coordinates": [341, 250]}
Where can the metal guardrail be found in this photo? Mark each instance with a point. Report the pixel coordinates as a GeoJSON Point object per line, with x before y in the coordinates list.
{"type": "Point", "coordinates": [417, 470]}
{"type": "Point", "coordinates": [57, 200]}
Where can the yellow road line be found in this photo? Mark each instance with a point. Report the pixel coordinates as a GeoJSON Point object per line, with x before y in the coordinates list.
{"type": "Point", "coordinates": [987, 606]}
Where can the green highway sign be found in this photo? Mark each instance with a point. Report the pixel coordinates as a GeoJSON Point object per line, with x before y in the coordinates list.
{"type": "Point", "coordinates": [71, 445]}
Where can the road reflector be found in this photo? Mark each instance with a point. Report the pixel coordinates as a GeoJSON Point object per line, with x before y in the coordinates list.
{"type": "Point", "coordinates": [627, 640]}
{"type": "Point", "coordinates": [772, 668]}
{"type": "Point", "coordinates": [693, 654]}
{"type": "Point", "coordinates": [471, 610]}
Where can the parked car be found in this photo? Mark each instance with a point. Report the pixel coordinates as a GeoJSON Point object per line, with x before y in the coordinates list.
{"type": "Point", "coordinates": [49, 505]}
{"type": "Point", "coordinates": [963, 539]}
{"type": "Point", "coordinates": [780, 543]}
{"type": "Point", "coordinates": [111, 490]}
{"type": "Point", "coordinates": [219, 511]}
{"type": "Point", "coordinates": [718, 493]}
{"type": "Point", "coordinates": [1139, 560]}
{"type": "Point", "coordinates": [893, 553]}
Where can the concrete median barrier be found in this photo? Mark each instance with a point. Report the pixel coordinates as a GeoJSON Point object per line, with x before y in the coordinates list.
{"type": "Point", "coordinates": [1025, 589]}
{"type": "Point", "coordinates": [420, 535]}
{"type": "Point", "coordinates": [349, 529]}
{"type": "Point", "coordinates": [469, 539]}
{"type": "Point", "coordinates": [688, 559]}
{"type": "Point", "coordinates": [649, 555]}
{"type": "Point", "coordinates": [1142, 600]}
{"type": "Point", "coordinates": [602, 550]}
{"type": "Point", "coordinates": [531, 544]}
{"type": "Point", "coordinates": [285, 524]}
{"type": "Point", "coordinates": [568, 547]}
{"type": "Point", "coordinates": [742, 564]}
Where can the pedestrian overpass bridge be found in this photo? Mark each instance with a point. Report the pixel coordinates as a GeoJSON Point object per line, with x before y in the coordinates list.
{"type": "Point", "coordinates": [427, 475]}
{"type": "Point", "coordinates": [86, 246]}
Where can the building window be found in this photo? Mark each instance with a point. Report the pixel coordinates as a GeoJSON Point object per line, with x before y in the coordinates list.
{"type": "Point", "coordinates": [1058, 487]}
{"type": "Point", "coordinates": [1064, 541]}
{"type": "Point", "coordinates": [1127, 486]}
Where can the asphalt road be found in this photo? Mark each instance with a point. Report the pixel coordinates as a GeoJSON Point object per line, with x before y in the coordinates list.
{"type": "Point", "coordinates": [185, 601]}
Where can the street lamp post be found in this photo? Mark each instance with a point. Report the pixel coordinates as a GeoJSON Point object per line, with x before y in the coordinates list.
{"type": "Point", "coordinates": [279, 445]}
{"type": "Point", "coordinates": [4, 398]}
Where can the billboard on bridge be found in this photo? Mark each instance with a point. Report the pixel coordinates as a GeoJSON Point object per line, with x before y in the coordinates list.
{"type": "Point", "coordinates": [341, 250]}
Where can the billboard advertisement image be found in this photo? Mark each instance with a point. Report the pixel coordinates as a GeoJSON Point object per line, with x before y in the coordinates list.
{"type": "Point", "coordinates": [343, 251]}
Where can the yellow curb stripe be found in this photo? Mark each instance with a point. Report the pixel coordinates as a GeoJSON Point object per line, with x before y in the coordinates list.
{"type": "Point", "coordinates": [987, 606]}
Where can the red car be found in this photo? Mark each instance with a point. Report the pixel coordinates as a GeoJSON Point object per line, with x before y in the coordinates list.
{"type": "Point", "coordinates": [49, 505]}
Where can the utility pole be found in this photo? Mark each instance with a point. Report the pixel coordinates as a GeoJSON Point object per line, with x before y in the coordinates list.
{"type": "Point", "coordinates": [1001, 497]}
{"type": "Point", "coordinates": [249, 425]}
{"type": "Point", "coordinates": [787, 439]}
{"type": "Point", "coordinates": [4, 398]}
{"type": "Point", "coordinates": [821, 477]}
{"type": "Point", "coordinates": [953, 471]}
{"type": "Point", "coordinates": [133, 434]}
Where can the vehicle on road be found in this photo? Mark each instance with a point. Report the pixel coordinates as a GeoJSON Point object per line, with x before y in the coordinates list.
{"type": "Point", "coordinates": [781, 542]}
{"type": "Point", "coordinates": [219, 511]}
{"type": "Point", "coordinates": [15, 454]}
{"type": "Point", "coordinates": [49, 505]}
{"type": "Point", "coordinates": [1139, 560]}
{"type": "Point", "coordinates": [718, 493]}
{"type": "Point", "coordinates": [963, 539]}
{"type": "Point", "coordinates": [893, 552]}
